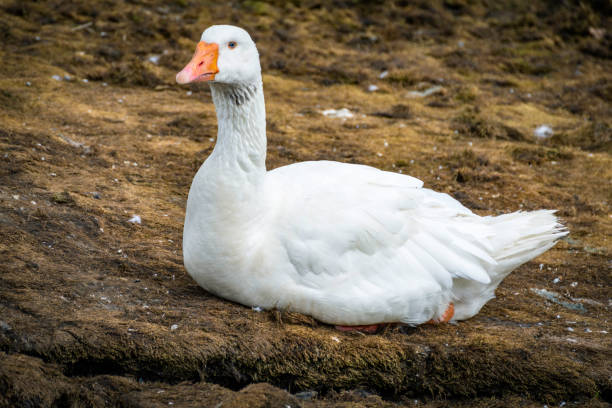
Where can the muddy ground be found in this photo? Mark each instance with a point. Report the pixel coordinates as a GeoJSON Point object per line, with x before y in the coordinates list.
{"type": "Point", "coordinates": [98, 311]}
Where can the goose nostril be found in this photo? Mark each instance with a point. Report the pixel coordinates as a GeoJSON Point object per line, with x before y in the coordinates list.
{"type": "Point", "coordinates": [200, 64]}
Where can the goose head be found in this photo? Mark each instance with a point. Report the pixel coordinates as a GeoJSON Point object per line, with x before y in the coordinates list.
{"type": "Point", "coordinates": [225, 54]}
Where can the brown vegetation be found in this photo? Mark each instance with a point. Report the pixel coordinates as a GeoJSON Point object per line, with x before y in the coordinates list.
{"type": "Point", "coordinates": [98, 311]}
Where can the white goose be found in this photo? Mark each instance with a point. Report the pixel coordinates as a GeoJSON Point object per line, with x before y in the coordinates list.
{"type": "Point", "coordinates": [348, 244]}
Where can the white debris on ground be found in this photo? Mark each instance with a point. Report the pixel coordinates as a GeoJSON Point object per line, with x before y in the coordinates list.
{"type": "Point", "coordinates": [425, 93]}
{"type": "Point", "coordinates": [557, 298]}
{"type": "Point", "coordinates": [383, 74]}
{"type": "Point", "coordinates": [154, 59]}
{"type": "Point", "coordinates": [372, 88]}
{"type": "Point", "coordinates": [543, 132]}
{"type": "Point", "coordinates": [174, 327]}
{"type": "Point", "coordinates": [135, 219]}
{"type": "Point", "coordinates": [334, 338]}
{"type": "Point", "coordinates": [343, 113]}
{"type": "Point", "coordinates": [74, 143]}
{"type": "Point", "coordinates": [257, 309]}
{"type": "Point", "coordinates": [56, 77]}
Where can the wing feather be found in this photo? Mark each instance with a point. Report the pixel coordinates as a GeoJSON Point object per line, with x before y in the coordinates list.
{"type": "Point", "coordinates": [374, 236]}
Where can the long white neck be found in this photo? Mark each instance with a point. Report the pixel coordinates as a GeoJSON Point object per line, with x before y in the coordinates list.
{"type": "Point", "coordinates": [241, 138]}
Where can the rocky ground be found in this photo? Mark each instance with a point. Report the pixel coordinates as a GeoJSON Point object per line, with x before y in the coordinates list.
{"type": "Point", "coordinates": [96, 310]}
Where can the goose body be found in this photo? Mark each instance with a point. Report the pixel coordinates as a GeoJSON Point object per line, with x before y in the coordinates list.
{"type": "Point", "coordinates": [347, 244]}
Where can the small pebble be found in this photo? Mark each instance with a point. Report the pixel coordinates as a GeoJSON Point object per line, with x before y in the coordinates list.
{"type": "Point", "coordinates": [28, 83]}
{"type": "Point", "coordinates": [372, 88]}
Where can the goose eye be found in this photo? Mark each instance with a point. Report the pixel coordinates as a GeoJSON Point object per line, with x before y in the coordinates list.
{"type": "Point", "coordinates": [232, 44]}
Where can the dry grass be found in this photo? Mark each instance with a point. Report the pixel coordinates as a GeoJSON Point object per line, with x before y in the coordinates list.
{"type": "Point", "coordinates": [88, 300]}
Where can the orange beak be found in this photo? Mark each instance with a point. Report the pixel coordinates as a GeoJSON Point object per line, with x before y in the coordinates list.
{"type": "Point", "coordinates": [203, 65]}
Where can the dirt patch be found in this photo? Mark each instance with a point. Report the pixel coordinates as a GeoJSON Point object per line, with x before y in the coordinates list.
{"type": "Point", "coordinates": [97, 310]}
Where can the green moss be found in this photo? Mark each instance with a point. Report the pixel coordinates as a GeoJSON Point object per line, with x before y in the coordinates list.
{"type": "Point", "coordinates": [471, 123]}
{"type": "Point", "coordinates": [62, 198]}
{"type": "Point", "coordinates": [465, 95]}
{"type": "Point", "coordinates": [258, 7]}
{"type": "Point", "coordinates": [595, 136]}
{"type": "Point", "coordinates": [402, 78]}
{"type": "Point", "coordinates": [537, 155]}
{"type": "Point", "coordinates": [529, 66]}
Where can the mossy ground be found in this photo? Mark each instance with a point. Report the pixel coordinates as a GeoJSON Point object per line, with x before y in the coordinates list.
{"type": "Point", "coordinates": [88, 300]}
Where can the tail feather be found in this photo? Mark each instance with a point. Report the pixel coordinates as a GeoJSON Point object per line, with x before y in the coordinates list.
{"type": "Point", "coordinates": [516, 238]}
{"type": "Point", "coordinates": [521, 236]}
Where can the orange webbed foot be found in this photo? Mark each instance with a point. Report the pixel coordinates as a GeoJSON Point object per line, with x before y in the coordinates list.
{"type": "Point", "coordinates": [446, 316]}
